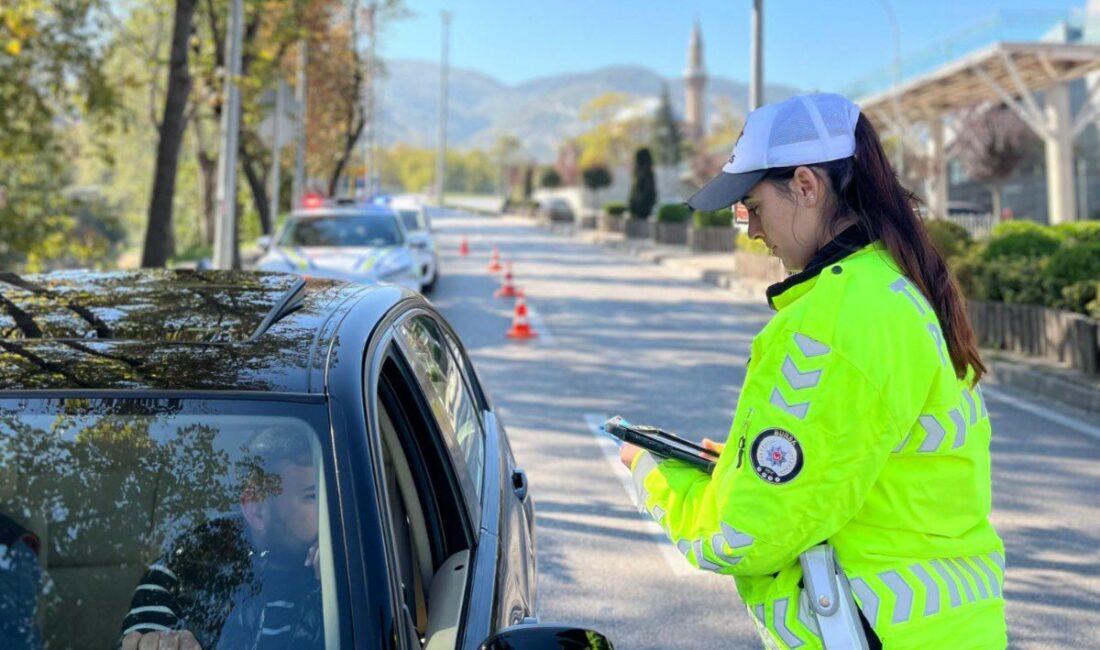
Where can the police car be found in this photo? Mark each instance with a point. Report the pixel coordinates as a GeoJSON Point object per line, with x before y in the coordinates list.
{"type": "Point", "coordinates": [238, 456]}
{"type": "Point", "coordinates": [422, 239]}
{"type": "Point", "coordinates": [364, 243]}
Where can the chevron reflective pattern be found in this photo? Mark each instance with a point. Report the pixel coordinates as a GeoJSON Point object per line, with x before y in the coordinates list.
{"type": "Point", "coordinates": [889, 597]}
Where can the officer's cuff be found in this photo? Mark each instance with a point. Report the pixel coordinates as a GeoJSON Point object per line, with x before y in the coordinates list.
{"type": "Point", "coordinates": [639, 469]}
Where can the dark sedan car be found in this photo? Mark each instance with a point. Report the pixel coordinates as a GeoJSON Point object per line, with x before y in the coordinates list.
{"type": "Point", "coordinates": [253, 460]}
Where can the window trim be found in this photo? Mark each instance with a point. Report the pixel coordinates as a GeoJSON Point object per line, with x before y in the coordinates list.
{"type": "Point", "coordinates": [471, 496]}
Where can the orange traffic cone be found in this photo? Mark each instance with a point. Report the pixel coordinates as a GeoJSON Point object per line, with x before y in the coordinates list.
{"type": "Point", "coordinates": [521, 327]}
{"type": "Point", "coordinates": [507, 289]}
{"type": "Point", "coordinates": [494, 261]}
{"type": "Point", "coordinates": [464, 248]}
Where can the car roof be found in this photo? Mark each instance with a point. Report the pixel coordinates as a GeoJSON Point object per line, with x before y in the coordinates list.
{"type": "Point", "coordinates": [175, 329]}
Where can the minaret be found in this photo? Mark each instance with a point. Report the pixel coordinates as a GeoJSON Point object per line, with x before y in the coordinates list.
{"type": "Point", "coordinates": [695, 82]}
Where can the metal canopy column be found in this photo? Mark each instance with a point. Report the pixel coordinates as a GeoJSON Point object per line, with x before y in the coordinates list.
{"type": "Point", "coordinates": [1054, 125]}
{"type": "Point", "coordinates": [936, 184]}
{"type": "Point", "coordinates": [1061, 182]}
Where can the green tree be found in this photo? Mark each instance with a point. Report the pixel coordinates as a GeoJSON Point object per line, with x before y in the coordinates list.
{"type": "Point", "coordinates": [643, 190]}
{"type": "Point", "coordinates": [550, 178]}
{"type": "Point", "coordinates": [667, 141]}
{"type": "Point", "coordinates": [615, 130]}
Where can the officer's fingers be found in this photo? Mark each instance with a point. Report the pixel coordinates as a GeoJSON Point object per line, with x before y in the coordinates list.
{"type": "Point", "coordinates": [150, 641]}
{"type": "Point", "coordinates": [713, 446]}
{"type": "Point", "coordinates": [188, 641]}
{"type": "Point", "coordinates": [130, 641]}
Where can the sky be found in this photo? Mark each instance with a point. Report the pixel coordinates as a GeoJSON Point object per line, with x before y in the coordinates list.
{"type": "Point", "coordinates": [809, 44]}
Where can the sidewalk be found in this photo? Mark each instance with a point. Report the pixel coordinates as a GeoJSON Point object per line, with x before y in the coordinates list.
{"type": "Point", "coordinates": [1065, 388]}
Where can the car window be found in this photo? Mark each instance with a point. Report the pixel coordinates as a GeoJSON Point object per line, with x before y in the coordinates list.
{"type": "Point", "coordinates": [116, 518]}
{"type": "Point", "coordinates": [441, 380]}
{"type": "Point", "coordinates": [411, 219]}
{"type": "Point", "coordinates": [343, 230]}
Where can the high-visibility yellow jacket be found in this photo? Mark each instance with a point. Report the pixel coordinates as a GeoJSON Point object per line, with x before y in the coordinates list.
{"type": "Point", "coordinates": [851, 428]}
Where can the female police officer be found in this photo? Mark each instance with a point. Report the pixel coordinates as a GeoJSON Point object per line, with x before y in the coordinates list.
{"type": "Point", "coordinates": [860, 427]}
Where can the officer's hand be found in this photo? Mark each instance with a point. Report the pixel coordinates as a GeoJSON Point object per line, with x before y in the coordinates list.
{"type": "Point", "coordinates": [627, 453]}
{"type": "Point", "coordinates": [716, 447]}
{"type": "Point", "coordinates": [170, 640]}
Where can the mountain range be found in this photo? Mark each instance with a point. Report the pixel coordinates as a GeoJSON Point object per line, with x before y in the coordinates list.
{"type": "Point", "coordinates": [541, 112]}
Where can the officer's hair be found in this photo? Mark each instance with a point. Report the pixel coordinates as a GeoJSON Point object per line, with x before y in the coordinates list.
{"type": "Point", "coordinates": [865, 188]}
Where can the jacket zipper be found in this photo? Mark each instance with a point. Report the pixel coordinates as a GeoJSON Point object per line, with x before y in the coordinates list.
{"type": "Point", "coordinates": [741, 440]}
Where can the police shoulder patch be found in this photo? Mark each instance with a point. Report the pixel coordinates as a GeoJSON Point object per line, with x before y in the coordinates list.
{"type": "Point", "coordinates": [776, 456]}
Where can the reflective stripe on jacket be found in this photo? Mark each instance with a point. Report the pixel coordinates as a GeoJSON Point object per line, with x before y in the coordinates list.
{"type": "Point", "coordinates": [851, 428]}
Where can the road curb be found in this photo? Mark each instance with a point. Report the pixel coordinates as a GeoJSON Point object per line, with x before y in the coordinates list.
{"type": "Point", "coordinates": [1063, 387]}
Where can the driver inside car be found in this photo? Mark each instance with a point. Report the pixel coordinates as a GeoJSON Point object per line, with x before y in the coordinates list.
{"type": "Point", "coordinates": [248, 581]}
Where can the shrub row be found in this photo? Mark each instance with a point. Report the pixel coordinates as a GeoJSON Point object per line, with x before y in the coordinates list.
{"type": "Point", "coordinates": [1023, 262]}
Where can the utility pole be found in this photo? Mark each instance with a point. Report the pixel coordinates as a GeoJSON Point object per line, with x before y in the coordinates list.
{"type": "Point", "coordinates": [370, 173]}
{"type": "Point", "coordinates": [756, 56]}
{"type": "Point", "coordinates": [441, 155]}
{"type": "Point", "coordinates": [225, 240]}
{"type": "Point", "coordinates": [276, 148]}
{"type": "Point", "coordinates": [899, 150]}
{"type": "Point", "coordinates": [300, 126]}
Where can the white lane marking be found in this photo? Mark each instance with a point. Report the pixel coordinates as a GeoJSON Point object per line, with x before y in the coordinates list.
{"type": "Point", "coordinates": [608, 444]}
{"type": "Point", "coordinates": [540, 326]}
{"type": "Point", "coordinates": [1043, 412]}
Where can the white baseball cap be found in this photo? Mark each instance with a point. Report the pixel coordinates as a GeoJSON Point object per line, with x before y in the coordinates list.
{"type": "Point", "coordinates": [802, 130]}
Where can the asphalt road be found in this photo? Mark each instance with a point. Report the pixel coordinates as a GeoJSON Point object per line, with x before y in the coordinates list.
{"type": "Point", "coordinates": [621, 337]}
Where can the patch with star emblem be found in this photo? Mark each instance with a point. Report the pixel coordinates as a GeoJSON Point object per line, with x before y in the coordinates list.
{"type": "Point", "coordinates": [776, 456]}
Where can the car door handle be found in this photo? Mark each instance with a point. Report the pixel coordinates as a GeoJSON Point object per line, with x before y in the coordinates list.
{"type": "Point", "coordinates": [519, 484]}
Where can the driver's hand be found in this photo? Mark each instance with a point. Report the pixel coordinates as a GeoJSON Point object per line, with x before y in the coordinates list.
{"type": "Point", "coordinates": [170, 640]}
{"type": "Point", "coordinates": [313, 559]}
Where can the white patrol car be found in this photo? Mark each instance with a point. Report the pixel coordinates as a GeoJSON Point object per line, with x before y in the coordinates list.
{"type": "Point", "coordinates": [356, 243]}
{"type": "Point", "coordinates": [422, 239]}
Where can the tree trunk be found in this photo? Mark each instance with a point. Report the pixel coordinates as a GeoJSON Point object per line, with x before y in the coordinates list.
{"type": "Point", "coordinates": [995, 190]}
{"type": "Point", "coordinates": [208, 177]}
{"type": "Point", "coordinates": [257, 182]}
{"type": "Point", "coordinates": [349, 146]}
{"type": "Point", "coordinates": [159, 242]}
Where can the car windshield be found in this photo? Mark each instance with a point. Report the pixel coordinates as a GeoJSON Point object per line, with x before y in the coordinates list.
{"type": "Point", "coordinates": [342, 230]}
{"type": "Point", "coordinates": [126, 516]}
{"type": "Point", "coordinates": [411, 219]}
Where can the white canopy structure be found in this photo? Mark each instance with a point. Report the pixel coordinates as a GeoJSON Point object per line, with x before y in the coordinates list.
{"type": "Point", "coordinates": [1009, 73]}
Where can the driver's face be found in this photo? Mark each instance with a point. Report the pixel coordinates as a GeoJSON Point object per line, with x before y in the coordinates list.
{"type": "Point", "coordinates": [293, 512]}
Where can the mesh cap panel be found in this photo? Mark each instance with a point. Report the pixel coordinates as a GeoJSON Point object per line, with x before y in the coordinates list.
{"type": "Point", "coordinates": [835, 117]}
{"type": "Point", "coordinates": [792, 125]}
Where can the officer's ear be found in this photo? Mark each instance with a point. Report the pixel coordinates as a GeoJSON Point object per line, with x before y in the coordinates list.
{"type": "Point", "coordinates": [808, 188]}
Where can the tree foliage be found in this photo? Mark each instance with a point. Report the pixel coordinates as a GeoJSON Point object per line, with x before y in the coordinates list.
{"type": "Point", "coordinates": [615, 129]}
{"type": "Point", "coordinates": [643, 189]}
{"type": "Point", "coordinates": [667, 141]}
{"type": "Point", "coordinates": [991, 143]}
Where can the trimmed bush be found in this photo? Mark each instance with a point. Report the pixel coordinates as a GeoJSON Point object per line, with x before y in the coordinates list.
{"type": "Point", "coordinates": [614, 208]}
{"type": "Point", "coordinates": [1014, 239]}
{"type": "Point", "coordinates": [1069, 267]}
{"type": "Point", "coordinates": [949, 238]}
{"type": "Point", "coordinates": [673, 213]}
{"type": "Point", "coordinates": [1078, 232]}
{"type": "Point", "coordinates": [717, 219]}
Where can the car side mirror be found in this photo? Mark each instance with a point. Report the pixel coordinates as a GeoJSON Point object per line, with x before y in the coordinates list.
{"type": "Point", "coordinates": [263, 241]}
{"type": "Point", "coordinates": [546, 637]}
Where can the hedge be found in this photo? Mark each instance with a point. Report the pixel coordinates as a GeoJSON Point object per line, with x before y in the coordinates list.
{"type": "Point", "coordinates": [614, 208]}
{"type": "Point", "coordinates": [673, 213]}
{"type": "Point", "coordinates": [717, 219]}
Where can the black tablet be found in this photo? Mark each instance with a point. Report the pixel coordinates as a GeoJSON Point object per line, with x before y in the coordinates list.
{"type": "Point", "coordinates": [662, 443]}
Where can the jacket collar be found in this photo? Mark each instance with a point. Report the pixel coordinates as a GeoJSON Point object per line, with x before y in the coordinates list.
{"type": "Point", "coordinates": [847, 242]}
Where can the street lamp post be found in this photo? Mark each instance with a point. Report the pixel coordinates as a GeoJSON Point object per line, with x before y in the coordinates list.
{"type": "Point", "coordinates": [899, 150]}
{"type": "Point", "coordinates": [441, 155]}
{"type": "Point", "coordinates": [756, 56]}
{"type": "Point", "coordinates": [300, 127]}
{"type": "Point", "coordinates": [225, 232]}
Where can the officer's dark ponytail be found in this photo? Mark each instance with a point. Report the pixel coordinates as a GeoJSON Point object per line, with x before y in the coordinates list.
{"type": "Point", "coordinates": [867, 190]}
